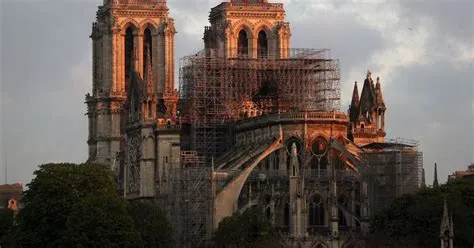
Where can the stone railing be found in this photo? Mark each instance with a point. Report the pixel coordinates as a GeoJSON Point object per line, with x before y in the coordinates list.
{"type": "Point", "coordinates": [138, 2]}
{"type": "Point", "coordinates": [365, 130]}
{"type": "Point", "coordinates": [299, 116]}
{"type": "Point", "coordinates": [309, 173]}
{"type": "Point", "coordinates": [273, 5]}
{"type": "Point", "coordinates": [165, 126]}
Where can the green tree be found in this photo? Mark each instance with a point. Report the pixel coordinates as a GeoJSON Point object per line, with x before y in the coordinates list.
{"type": "Point", "coordinates": [69, 204]}
{"type": "Point", "coordinates": [415, 219]}
{"type": "Point", "coordinates": [7, 220]}
{"type": "Point", "coordinates": [151, 223]}
{"type": "Point", "coordinates": [249, 229]}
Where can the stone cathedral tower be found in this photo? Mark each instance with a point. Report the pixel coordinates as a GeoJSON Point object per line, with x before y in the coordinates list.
{"type": "Point", "coordinates": [252, 28]}
{"type": "Point", "coordinates": [133, 91]}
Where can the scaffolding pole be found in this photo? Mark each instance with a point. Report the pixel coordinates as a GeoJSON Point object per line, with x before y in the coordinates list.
{"type": "Point", "coordinates": [217, 91]}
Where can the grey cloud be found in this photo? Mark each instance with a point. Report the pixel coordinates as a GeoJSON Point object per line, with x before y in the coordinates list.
{"type": "Point", "coordinates": [452, 17]}
{"type": "Point", "coordinates": [432, 103]}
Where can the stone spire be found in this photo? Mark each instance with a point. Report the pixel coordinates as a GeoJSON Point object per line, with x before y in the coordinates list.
{"type": "Point", "coordinates": [435, 181]}
{"type": "Point", "coordinates": [378, 94]}
{"type": "Point", "coordinates": [446, 228]}
{"type": "Point", "coordinates": [355, 96]}
{"type": "Point", "coordinates": [423, 179]}
{"type": "Point", "coordinates": [354, 107]}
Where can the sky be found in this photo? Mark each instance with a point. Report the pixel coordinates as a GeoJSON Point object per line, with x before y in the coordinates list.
{"type": "Point", "coordinates": [421, 50]}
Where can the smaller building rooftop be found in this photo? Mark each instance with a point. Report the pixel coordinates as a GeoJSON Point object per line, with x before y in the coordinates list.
{"type": "Point", "coordinates": [385, 145]}
{"type": "Point", "coordinates": [9, 192]}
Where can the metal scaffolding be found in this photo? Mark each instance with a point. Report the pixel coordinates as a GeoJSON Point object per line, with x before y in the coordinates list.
{"type": "Point", "coordinates": [395, 170]}
{"type": "Point", "coordinates": [190, 202]}
{"type": "Point", "coordinates": [217, 90]}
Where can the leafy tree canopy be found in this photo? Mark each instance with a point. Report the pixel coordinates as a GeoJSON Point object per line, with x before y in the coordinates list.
{"type": "Point", "coordinates": [69, 204]}
{"type": "Point", "coordinates": [415, 219]}
{"type": "Point", "coordinates": [6, 226]}
{"type": "Point", "coordinates": [152, 224]}
{"type": "Point", "coordinates": [249, 229]}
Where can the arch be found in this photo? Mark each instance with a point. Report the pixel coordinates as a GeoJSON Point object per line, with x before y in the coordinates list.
{"type": "Point", "coordinates": [130, 23]}
{"type": "Point", "coordinates": [243, 43]}
{"type": "Point", "coordinates": [227, 197]}
{"type": "Point", "coordinates": [316, 211]}
{"type": "Point", "coordinates": [245, 25]}
{"type": "Point", "coordinates": [147, 49]}
{"type": "Point", "coordinates": [262, 44]}
{"type": "Point", "coordinates": [319, 243]}
{"type": "Point", "coordinates": [319, 145]}
{"type": "Point", "coordinates": [129, 52]}
{"type": "Point", "coordinates": [150, 24]}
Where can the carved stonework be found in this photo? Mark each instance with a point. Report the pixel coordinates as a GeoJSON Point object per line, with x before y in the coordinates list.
{"type": "Point", "coordinates": [133, 164]}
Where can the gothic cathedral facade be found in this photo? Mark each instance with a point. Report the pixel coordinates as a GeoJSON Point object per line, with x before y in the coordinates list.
{"type": "Point", "coordinates": [132, 108]}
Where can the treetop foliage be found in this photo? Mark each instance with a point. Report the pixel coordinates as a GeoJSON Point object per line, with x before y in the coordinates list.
{"type": "Point", "coordinates": [71, 205]}
{"type": "Point", "coordinates": [249, 229]}
{"type": "Point", "coordinates": [415, 219]}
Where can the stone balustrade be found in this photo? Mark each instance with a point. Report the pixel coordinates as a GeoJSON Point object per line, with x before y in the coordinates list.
{"type": "Point", "coordinates": [291, 117]}
{"type": "Point", "coordinates": [138, 2]}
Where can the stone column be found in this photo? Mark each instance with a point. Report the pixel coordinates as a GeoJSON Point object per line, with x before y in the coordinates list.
{"type": "Point", "coordinates": [253, 47]}
{"type": "Point", "coordinates": [147, 162]}
{"type": "Point", "coordinates": [160, 62]}
{"type": "Point", "coordinates": [155, 52]}
{"type": "Point", "coordinates": [364, 223]}
{"type": "Point", "coordinates": [121, 62]}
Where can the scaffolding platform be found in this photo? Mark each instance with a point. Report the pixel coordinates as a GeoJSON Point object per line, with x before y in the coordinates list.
{"type": "Point", "coordinates": [216, 91]}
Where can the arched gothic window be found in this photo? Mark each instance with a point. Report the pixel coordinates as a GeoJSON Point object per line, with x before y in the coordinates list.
{"type": "Point", "coordinates": [129, 50]}
{"type": "Point", "coordinates": [276, 160]}
{"type": "Point", "coordinates": [286, 215]}
{"type": "Point", "coordinates": [243, 43]}
{"type": "Point", "coordinates": [147, 48]}
{"type": "Point", "coordinates": [316, 213]}
{"type": "Point", "coordinates": [262, 47]}
{"type": "Point", "coordinates": [343, 202]}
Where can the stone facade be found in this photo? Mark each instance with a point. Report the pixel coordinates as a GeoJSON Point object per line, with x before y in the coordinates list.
{"type": "Point", "coordinates": [248, 28]}
{"type": "Point", "coordinates": [367, 114]}
{"type": "Point", "coordinates": [300, 166]}
{"type": "Point", "coordinates": [132, 107]}
{"type": "Point", "coordinates": [303, 186]}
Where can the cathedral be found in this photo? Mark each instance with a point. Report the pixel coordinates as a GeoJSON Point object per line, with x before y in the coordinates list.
{"type": "Point", "coordinates": [254, 122]}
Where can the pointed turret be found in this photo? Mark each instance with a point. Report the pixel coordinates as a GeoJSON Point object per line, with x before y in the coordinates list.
{"type": "Point", "coordinates": [367, 97]}
{"type": "Point", "coordinates": [355, 96]}
{"type": "Point", "coordinates": [435, 181]}
{"type": "Point", "coordinates": [451, 225]}
{"type": "Point", "coordinates": [446, 232]}
{"type": "Point", "coordinates": [423, 179]}
{"type": "Point", "coordinates": [378, 94]}
{"type": "Point", "coordinates": [445, 223]}
{"type": "Point", "coordinates": [354, 107]}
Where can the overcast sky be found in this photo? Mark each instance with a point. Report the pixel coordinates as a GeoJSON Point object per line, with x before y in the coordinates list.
{"type": "Point", "coordinates": [422, 51]}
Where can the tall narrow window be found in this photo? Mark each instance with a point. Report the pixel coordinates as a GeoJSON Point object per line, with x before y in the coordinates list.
{"type": "Point", "coordinates": [243, 43]}
{"type": "Point", "coordinates": [129, 49]}
{"type": "Point", "coordinates": [316, 213]}
{"type": "Point", "coordinates": [343, 202]}
{"type": "Point", "coordinates": [276, 165]}
{"type": "Point", "coordinates": [262, 48]}
{"type": "Point", "coordinates": [286, 218]}
{"type": "Point", "coordinates": [147, 48]}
